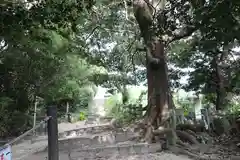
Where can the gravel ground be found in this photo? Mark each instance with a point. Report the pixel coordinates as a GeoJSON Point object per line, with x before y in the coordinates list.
{"type": "Point", "coordinates": [156, 156]}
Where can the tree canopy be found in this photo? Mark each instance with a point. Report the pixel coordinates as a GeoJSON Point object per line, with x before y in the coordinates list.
{"type": "Point", "coordinates": [58, 49]}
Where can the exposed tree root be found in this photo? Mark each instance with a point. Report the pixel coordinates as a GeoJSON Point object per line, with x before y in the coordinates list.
{"type": "Point", "coordinates": [149, 134]}
{"type": "Point", "coordinates": [192, 127]}
{"type": "Point", "coordinates": [191, 132]}
{"type": "Point", "coordinates": [182, 135]}
{"type": "Point", "coordinates": [185, 136]}
{"type": "Point", "coordinates": [184, 151]}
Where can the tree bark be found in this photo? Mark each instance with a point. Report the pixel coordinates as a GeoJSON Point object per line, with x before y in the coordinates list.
{"type": "Point", "coordinates": [220, 91]}
{"type": "Point", "coordinates": [157, 71]}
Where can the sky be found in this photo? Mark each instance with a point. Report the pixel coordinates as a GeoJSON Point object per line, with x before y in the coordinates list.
{"type": "Point", "coordinates": [183, 80]}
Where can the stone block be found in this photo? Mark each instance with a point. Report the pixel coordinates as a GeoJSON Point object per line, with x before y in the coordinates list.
{"type": "Point", "coordinates": [110, 150]}
{"type": "Point", "coordinates": [79, 154]}
{"type": "Point", "coordinates": [72, 133]}
{"type": "Point", "coordinates": [99, 151]}
{"type": "Point", "coordinates": [121, 137]}
{"type": "Point", "coordinates": [235, 157]}
{"type": "Point", "coordinates": [81, 141]}
{"type": "Point", "coordinates": [137, 149]}
{"type": "Point", "coordinates": [89, 129]}
{"type": "Point", "coordinates": [124, 150]}
{"type": "Point", "coordinates": [79, 132]}
{"type": "Point", "coordinates": [63, 144]}
{"type": "Point", "coordinates": [145, 149]}
{"type": "Point", "coordinates": [103, 139]}
{"type": "Point", "coordinates": [67, 133]}
{"type": "Point", "coordinates": [110, 138]}
{"type": "Point", "coordinates": [155, 147]}
{"type": "Point", "coordinates": [61, 135]}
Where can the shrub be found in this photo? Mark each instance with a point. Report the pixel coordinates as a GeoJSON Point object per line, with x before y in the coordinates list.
{"type": "Point", "coordinates": [82, 116]}
{"type": "Point", "coordinates": [126, 112]}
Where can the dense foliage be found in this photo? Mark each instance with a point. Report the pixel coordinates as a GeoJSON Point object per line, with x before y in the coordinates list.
{"type": "Point", "coordinates": [58, 49]}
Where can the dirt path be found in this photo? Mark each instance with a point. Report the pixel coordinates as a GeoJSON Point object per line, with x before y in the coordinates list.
{"type": "Point", "coordinates": [156, 156]}
{"type": "Point", "coordinates": [69, 126]}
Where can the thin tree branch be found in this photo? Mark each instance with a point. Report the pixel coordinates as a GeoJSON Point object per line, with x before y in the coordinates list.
{"type": "Point", "coordinates": [126, 9]}
{"type": "Point", "coordinates": [92, 32]}
{"type": "Point", "coordinates": [6, 2]}
{"type": "Point", "coordinates": [184, 32]}
{"type": "Point", "coordinates": [189, 29]}
{"type": "Point", "coordinates": [2, 48]}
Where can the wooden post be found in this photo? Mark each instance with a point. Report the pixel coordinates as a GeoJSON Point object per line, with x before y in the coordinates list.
{"type": "Point", "coordinates": [52, 133]}
{"type": "Point", "coordinates": [67, 113]}
{"type": "Point", "coordinates": [35, 115]}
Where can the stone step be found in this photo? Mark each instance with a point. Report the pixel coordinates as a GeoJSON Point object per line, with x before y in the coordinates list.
{"type": "Point", "coordinates": [24, 149]}
{"type": "Point", "coordinates": [149, 156]}
{"type": "Point", "coordinates": [95, 140]}
{"type": "Point", "coordinates": [87, 129]}
{"type": "Point", "coordinates": [93, 129]}
{"type": "Point", "coordinates": [88, 146]}
{"type": "Point", "coordinates": [103, 151]}
{"type": "Point", "coordinates": [39, 143]}
{"type": "Point", "coordinates": [118, 149]}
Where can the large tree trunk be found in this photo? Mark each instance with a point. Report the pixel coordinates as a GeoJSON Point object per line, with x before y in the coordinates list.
{"type": "Point", "coordinates": [157, 72]}
{"type": "Point", "coordinates": [158, 91]}
{"type": "Point", "coordinates": [220, 91]}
